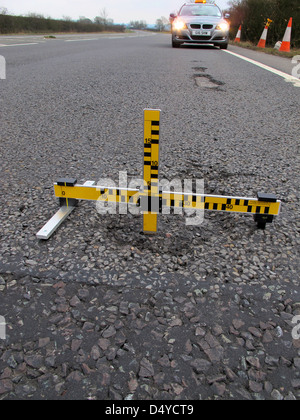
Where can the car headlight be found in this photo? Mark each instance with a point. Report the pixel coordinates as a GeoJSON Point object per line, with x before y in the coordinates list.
{"type": "Point", "coordinates": [222, 27]}
{"type": "Point", "coordinates": [179, 25]}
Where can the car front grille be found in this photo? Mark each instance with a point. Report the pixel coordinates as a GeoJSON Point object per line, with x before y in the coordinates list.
{"type": "Point", "coordinates": [200, 38]}
{"type": "Point", "coordinates": [198, 26]}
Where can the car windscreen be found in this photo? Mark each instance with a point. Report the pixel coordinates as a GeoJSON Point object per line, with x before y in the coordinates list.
{"type": "Point", "coordinates": [200, 10]}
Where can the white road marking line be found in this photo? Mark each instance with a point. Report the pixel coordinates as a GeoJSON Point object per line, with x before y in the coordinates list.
{"type": "Point", "coordinates": [117, 37]}
{"type": "Point", "coordinates": [286, 76]}
{"type": "Point", "coordinates": [19, 45]}
{"type": "Point", "coordinates": [109, 37]}
{"type": "Point", "coordinates": [78, 40]}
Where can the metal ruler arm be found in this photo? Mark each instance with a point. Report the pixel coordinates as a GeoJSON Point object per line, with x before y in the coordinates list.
{"type": "Point", "coordinates": [51, 226]}
{"type": "Point", "coordinates": [68, 204]}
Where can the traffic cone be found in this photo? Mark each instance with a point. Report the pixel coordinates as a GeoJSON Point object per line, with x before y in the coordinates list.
{"type": "Point", "coordinates": [263, 38]}
{"type": "Point", "coordinates": [286, 43]}
{"type": "Point", "coordinates": [238, 35]}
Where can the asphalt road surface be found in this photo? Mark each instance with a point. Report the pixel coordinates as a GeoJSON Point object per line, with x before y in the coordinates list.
{"type": "Point", "coordinates": [101, 311]}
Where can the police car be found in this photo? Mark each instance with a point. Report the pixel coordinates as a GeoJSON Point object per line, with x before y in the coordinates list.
{"type": "Point", "coordinates": [200, 23]}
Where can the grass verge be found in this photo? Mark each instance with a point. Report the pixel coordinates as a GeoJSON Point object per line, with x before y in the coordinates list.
{"type": "Point", "coordinates": [267, 50]}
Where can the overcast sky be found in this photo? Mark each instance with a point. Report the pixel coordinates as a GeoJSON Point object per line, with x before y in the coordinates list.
{"type": "Point", "coordinates": [121, 11]}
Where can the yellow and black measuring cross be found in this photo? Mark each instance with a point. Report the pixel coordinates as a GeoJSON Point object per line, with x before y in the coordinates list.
{"type": "Point", "coordinates": [150, 197]}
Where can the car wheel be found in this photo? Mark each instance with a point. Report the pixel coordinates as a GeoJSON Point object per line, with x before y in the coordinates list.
{"type": "Point", "coordinates": [175, 44]}
{"type": "Point", "coordinates": [223, 46]}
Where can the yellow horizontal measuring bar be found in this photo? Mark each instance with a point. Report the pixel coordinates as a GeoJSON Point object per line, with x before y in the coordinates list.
{"type": "Point", "coordinates": [168, 199]}
{"type": "Point", "coordinates": [95, 193]}
{"type": "Point", "coordinates": [220, 203]}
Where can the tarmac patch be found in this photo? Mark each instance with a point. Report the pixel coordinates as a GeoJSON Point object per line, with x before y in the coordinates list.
{"type": "Point", "coordinates": [206, 81]}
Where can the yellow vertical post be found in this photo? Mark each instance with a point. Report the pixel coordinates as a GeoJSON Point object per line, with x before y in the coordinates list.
{"type": "Point", "coordinates": [151, 163]}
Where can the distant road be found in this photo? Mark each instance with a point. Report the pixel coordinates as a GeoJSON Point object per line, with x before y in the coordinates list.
{"type": "Point", "coordinates": [279, 63]}
{"type": "Point", "coordinates": [23, 40]}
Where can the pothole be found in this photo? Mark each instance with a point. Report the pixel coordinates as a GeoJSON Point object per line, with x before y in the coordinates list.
{"type": "Point", "coordinates": [206, 81]}
{"type": "Point", "coordinates": [200, 69]}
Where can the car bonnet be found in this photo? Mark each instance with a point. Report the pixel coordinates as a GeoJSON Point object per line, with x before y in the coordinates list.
{"type": "Point", "coordinates": [201, 19]}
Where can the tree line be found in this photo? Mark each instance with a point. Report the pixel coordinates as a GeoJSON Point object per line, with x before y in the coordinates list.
{"type": "Point", "coordinates": [34, 23]}
{"type": "Point", "coordinates": [253, 14]}
{"type": "Point", "coordinates": [162, 24]}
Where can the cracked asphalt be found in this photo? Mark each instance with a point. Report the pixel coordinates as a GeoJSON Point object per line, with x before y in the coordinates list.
{"type": "Point", "coordinates": [101, 311]}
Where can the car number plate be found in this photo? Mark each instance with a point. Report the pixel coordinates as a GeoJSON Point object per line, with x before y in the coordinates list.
{"type": "Point", "coordinates": [201, 32]}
